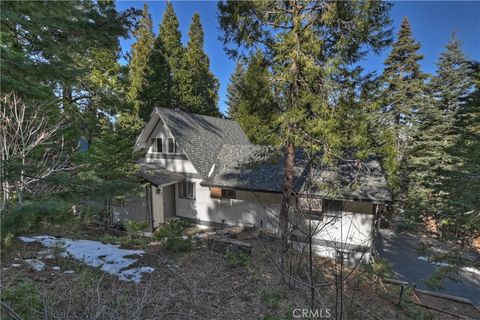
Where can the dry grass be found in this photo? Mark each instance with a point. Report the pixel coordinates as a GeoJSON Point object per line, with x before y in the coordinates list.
{"type": "Point", "coordinates": [199, 284]}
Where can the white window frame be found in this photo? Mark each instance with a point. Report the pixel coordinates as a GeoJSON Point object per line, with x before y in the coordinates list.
{"type": "Point", "coordinates": [183, 190]}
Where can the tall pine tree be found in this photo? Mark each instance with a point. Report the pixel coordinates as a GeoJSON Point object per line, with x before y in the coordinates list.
{"type": "Point", "coordinates": [251, 101]}
{"type": "Point", "coordinates": [435, 157]}
{"type": "Point", "coordinates": [138, 67]}
{"type": "Point", "coordinates": [305, 42]}
{"type": "Point", "coordinates": [467, 182]}
{"type": "Point", "coordinates": [173, 51]}
{"type": "Point", "coordinates": [234, 96]}
{"type": "Point", "coordinates": [157, 91]}
{"type": "Point", "coordinates": [404, 96]}
{"type": "Point", "coordinates": [197, 85]}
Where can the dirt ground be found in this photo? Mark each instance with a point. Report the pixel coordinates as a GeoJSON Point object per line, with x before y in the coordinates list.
{"type": "Point", "coordinates": [199, 284]}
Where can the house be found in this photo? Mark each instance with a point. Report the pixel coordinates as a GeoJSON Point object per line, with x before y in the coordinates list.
{"type": "Point", "coordinates": [205, 170]}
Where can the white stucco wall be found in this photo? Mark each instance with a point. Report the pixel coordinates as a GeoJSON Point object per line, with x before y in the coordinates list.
{"type": "Point", "coordinates": [348, 230]}
{"type": "Point", "coordinates": [248, 209]}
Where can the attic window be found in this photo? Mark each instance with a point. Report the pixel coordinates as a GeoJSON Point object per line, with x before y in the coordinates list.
{"type": "Point", "coordinates": [171, 145]}
{"type": "Point", "coordinates": [157, 145]}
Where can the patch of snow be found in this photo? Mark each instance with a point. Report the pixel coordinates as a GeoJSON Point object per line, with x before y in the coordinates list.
{"type": "Point", "coordinates": [437, 263]}
{"type": "Point", "coordinates": [37, 265]}
{"type": "Point", "coordinates": [472, 270]}
{"type": "Point", "coordinates": [56, 268]}
{"type": "Point", "coordinates": [27, 240]}
{"type": "Point", "coordinates": [108, 257]}
{"type": "Point", "coordinates": [16, 265]}
{"type": "Point", "coordinates": [69, 272]}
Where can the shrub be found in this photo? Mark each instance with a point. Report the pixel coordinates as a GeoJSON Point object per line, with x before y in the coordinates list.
{"type": "Point", "coordinates": [416, 312]}
{"type": "Point", "coordinates": [24, 299]}
{"type": "Point", "coordinates": [174, 228]}
{"type": "Point", "coordinates": [381, 268]}
{"type": "Point", "coordinates": [134, 228]}
{"type": "Point", "coordinates": [435, 281]}
{"type": "Point", "coordinates": [178, 244]}
{"type": "Point", "coordinates": [173, 233]}
{"type": "Point", "coordinates": [28, 217]}
{"type": "Point", "coordinates": [271, 298]}
{"type": "Point", "coordinates": [237, 259]}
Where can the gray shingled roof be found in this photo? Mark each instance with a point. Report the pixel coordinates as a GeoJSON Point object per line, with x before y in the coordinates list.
{"type": "Point", "coordinates": [258, 168]}
{"type": "Point", "coordinates": [159, 176]}
{"type": "Point", "coordinates": [349, 179]}
{"type": "Point", "coordinates": [252, 167]}
{"type": "Point", "coordinates": [202, 137]}
{"type": "Point", "coordinates": [241, 165]}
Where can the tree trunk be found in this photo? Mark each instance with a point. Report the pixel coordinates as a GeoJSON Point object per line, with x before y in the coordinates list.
{"type": "Point", "coordinates": [287, 190]}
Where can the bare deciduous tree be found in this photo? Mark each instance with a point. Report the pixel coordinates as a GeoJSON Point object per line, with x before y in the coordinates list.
{"type": "Point", "coordinates": [31, 148]}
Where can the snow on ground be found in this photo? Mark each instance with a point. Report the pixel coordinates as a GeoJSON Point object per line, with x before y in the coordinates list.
{"type": "Point", "coordinates": [110, 258]}
{"type": "Point", "coordinates": [36, 264]}
{"type": "Point", "coordinates": [445, 264]}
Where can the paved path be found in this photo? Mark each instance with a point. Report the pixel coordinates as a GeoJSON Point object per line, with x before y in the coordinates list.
{"type": "Point", "coordinates": [400, 250]}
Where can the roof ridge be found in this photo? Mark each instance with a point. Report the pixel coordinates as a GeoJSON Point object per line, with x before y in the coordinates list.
{"type": "Point", "coordinates": [198, 114]}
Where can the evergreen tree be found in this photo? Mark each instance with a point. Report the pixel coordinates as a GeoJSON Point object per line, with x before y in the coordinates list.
{"type": "Point", "coordinates": [435, 157]}
{"type": "Point", "coordinates": [405, 94]}
{"type": "Point", "coordinates": [157, 91]}
{"type": "Point", "coordinates": [251, 101]}
{"type": "Point", "coordinates": [234, 96]}
{"type": "Point", "coordinates": [466, 181]}
{"type": "Point", "coordinates": [197, 85]}
{"type": "Point", "coordinates": [173, 51]}
{"type": "Point", "coordinates": [141, 49]}
{"type": "Point", "coordinates": [42, 43]}
{"type": "Point", "coordinates": [305, 43]}
{"type": "Point", "coordinates": [452, 82]}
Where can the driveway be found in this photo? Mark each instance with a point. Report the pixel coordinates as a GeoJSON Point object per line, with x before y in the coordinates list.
{"type": "Point", "coordinates": [400, 249]}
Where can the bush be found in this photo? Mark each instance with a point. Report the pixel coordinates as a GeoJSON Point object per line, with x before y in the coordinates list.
{"type": "Point", "coordinates": [237, 259]}
{"type": "Point", "coordinates": [271, 298]}
{"type": "Point", "coordinates": [28, 217]}
{"type": "Point", "coordinates": [381, 268]}
{"type": "Point", "coordinates": [24, 299]}
{"type": "Point", "coordinates": [435, 281]}
{"type": "Point", "coordinates": [172, 232]}
{"type": "Point", "coordinates": [174, 228]}
{"type": "Point", "coordinates": [134, 228]}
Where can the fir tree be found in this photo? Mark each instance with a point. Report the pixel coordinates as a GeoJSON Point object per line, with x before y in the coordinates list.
{"type": "Point", "coordinates": [42, 43]}
{"type": "Point", "coordinates": [234, 96]}
{"type": "Point", "coordinates": [141, 49]}
{"type": "Point", "coordinates": [404, 95]}
{"type": "Point", "coordinates": [173, 51]}
{"type": "Point", "coordinates": [452, 83]}
{"type": "Point", "coordinates": [198, 86]}
{"type": "Point", "coordinates": [467, 180]}
{"type": "Point", "coordinates": [435, 156]}
{"type": "Point", "coordinates": [305, 43]}
{"type": "Point", "coordinates": [251, 102]}
{"type": "Point", "coordinates": [157, 91]}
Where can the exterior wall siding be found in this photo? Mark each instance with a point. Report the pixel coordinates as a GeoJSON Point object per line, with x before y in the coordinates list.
{"type": "Point", "coordinates": [248, 209]}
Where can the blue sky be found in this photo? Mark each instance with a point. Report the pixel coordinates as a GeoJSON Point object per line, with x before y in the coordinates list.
{"type": "Point", "coordinates": [432, 23]}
